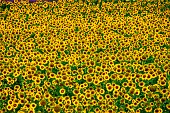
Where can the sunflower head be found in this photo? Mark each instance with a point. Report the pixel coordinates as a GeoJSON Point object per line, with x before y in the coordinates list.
{"type": "Point", "coordinates": [42, 102]}
{"type": "Point", "coordinates": [57, 108]}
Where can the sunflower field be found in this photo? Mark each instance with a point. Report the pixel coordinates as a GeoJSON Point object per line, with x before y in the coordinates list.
{"type": "Point", "coordinates": [85, 56]}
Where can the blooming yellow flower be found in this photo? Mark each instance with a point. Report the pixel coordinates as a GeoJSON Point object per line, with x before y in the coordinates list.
{"type": "Point", "coordinates": [62, 91]}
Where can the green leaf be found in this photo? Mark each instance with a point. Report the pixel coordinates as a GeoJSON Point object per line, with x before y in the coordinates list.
{"type": "Point", "coordinates": [32, 35]}
{"type": "Point", "coordinates": [42, 83]}
{"type": "Point", "coordinates": [55, 70]}
{"type": "Point", "coordinates": [40, 50]}
{"type": "Point", "coordinates": [18, 108]}
{"type": "Point", "coordinates": [64, 63]}
{"type": "Point", "coordinates": [19, 81]}
{"type": "Point", "coordinates": [74, 67]}
{"type": "Point", "coordinates": [76, 29]}
{"type": "Point", "coordinates": [127, 14]}
{"type": "Point", "coordinates": [41, 108]}
{"type": "Point", "coordinates": [150, 60]}
{"type": "Point", "coordinates": [59, 54]}
{"type": "Point", "coordinates": [85, 70]}
{"type": "Point", "coordinates": [27, 16]}
{"type": "Point", "coordinates": [161, 32]}
{"type": "Point", "coordinates": [67, 52]}
{"type": "Point", "coordinates": [116, 62]}
{"type": "Point", "coordinates": [81, 81]}
{"type": "Point", "coordinates": [3, 6]}
{"type": "Point", "coordinates": [22, 67]}
{"type": "Point", "coordinates": [99, 50]}
{"type": "Point", "coordinates": [153, 81]}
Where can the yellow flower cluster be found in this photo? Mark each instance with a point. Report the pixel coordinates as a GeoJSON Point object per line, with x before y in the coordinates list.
{"type": "Point", "coordinates": [89, 56]}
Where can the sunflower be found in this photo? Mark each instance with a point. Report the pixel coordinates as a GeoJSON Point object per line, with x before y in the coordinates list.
{"type": "Point", "coordinates": [80, 71]}
{"type": "Point", "coordinates": [62, 91]}
{"type": "Point", "coordinates": [148, 109]}
{"type": "Point", "coordinates": [57, 108]}
{"type": "Point", "coordinates": [89, 79]}
{"type": "Point", "coordinates": [118, 70]}
{"type": "Point", "coordinates": [114, 76]}
{"type": "Point", "coordinates": [104, 66]}
{"type": "Point", "coordinates": [107, 96]}
{"type": "Point", "coordinates": [85, 84]}
{"type": "Point", "coordinates": [100, 97]}
{"type": "Point", "coordinates": [33, 105]}
{"type": "Point", "coordinates": [76, 91]}
{"type": "Point", "coordinates": [109, 88]}
{"type": "Point", "coordinates": [137, 91]}
{"type": "Point", "coordinates": [164, 91]}
{"type": "Point", "coordinates": [130, 107]}
{"type": "Point", "coordinates": [163, 99]}
{"type": "Point", "coordinates": [126, 96]}
{"type": "Point", "coordinates": [96, 82]}
{"type": "Point", "coordinates": [138, 110]}
{"type": "Point", "coordinates": [64, 78]}
{"type": "Point", "coordinates": [85, 103]}
{"type": "Point", "coordinates": [120, 76]}
{"type": "Point", "coordinates": [36, 96]}
{"type": "Point", "coordinates": [162, 83]}
{"type": "Point", "coordinates": [10, 102]}
{"type": "Point", "coordinates": [16, 74]}
{"type": "Point", "coordinates": [97, 110]}
{"type": "Point", "coordinates": [166, 68]}
{"type": "Point", "coordinates": [106, 77]}
{"type": "Point", "coordinates": [130, 84]}
{"type": "Point", "coordinates": [98, 69]}
{"type": "Point", "coordinates": [145, 89]}
{"type": "Point", "coordinates": [141, 68]}
{"type": "Point", "coordinates": [168, 106]}
{"type": "Point", "coordinates": [37, 80]}
{"type": "Point", "coordinates": [79, 77]}
{"type": "Point", "coordinates": [15, 105]}
{"type": "Point", "coordinates": [79, 108]}
{"type": "Point", "coordinates": [42, 103]}
{"type": "Point", "coordinates": [31, 111]}
{"type": "Point", "coordinates": [113, 57]}
{"type": "Point", "coordinates": [102, 91]}
{"type": "Point", "coordinates": [20, 111]}
{"type": "Point", "coordinates": [88, 95]}
{"type": "Point", "coordinates": [125, 84]}
{"type": "Point", "coordinates": [141, 84]}
{"type": "Point", "coordinates": [132, 90]}
{"type": "Point", "coordinates": [9, 107]}
{"type": "Point", "coordinates": [116, 87]}
{"type": "Point", "coordinates": [158, 110]}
